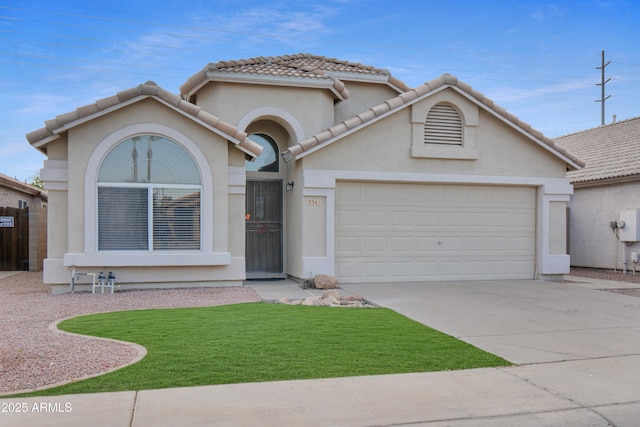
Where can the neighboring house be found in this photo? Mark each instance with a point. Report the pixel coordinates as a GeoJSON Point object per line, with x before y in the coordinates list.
{"type": "Point", "coordinates": [355, 175]}
{"type": "Point", "coordinates": [23, 238]}
{"type": "Point", "coordinates": [17, 194]}
{"type": "Point", "coordinates": [608, 185]}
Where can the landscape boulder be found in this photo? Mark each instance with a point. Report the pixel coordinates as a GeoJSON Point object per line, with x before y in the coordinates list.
{"type": "Point", "coordinates": [325, 281]}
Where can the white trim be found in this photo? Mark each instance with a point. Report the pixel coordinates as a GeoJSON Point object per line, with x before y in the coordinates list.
{"type": "Point", "coordinates": [319, 178]}
{"type": "Point", "coordinates": [55, 175]}
{"type": "Point", "coordinates": [91, 179]}
{"type": "Point", "coordinates": [290, 122]}
{"type": "Point", "coordinates": [156, 259]}
{"type": "Point", "coordinates": [237, 179]}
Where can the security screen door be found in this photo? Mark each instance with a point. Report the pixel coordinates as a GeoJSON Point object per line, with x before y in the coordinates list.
{"type": "Point", "coordinates": [263, 220]}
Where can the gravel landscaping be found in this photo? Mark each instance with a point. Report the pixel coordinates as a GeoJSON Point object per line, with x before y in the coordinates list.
{"type": "Point", "coordinates": [616, 276]}
{"type": "Point", "coordinates": [34, 356]}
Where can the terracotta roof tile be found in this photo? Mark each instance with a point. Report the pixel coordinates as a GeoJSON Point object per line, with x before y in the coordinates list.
{"type": "Point", "coordinates": [146, 90]}
{"type": "Point", "coordinates": [611, 151]}
{"type": "Point", "coordinates": [302, 66]}
{"type": "Point", "coordinates": [408, 97]}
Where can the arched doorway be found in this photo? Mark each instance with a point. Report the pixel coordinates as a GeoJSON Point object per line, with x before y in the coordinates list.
{"type": "Point", "coordinates": [264, 212]}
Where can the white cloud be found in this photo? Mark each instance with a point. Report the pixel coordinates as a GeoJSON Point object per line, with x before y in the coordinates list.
{"type": "Point", "coordinates": [506, 94]}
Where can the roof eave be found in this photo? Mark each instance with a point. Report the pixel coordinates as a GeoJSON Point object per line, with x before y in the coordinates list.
{"type": "Point", "coordinates": [305, 82]}
{"type": "Point", "coordinates": [40, 138]}
{"type": "Point", "coordinates": [606, 181]}
{"type": "Point", "coordinates": [525, 129]}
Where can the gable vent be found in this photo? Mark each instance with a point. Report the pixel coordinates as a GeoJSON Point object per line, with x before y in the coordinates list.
{"type": "Point", "coordinates": [443, 126]}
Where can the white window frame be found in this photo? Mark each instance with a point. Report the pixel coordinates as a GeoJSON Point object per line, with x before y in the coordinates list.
{"type": "Point", "coordinates": [150, 221]}
{"type": "Point", "coordinates": [91, 257]}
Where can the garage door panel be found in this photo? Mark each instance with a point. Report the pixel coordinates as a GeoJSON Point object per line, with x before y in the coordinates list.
{"type": "Point", "coordinates": [348, 245]}
{"type": "Point", "coordinates": [402, 244]}
{"type": "Point", "coordinates": [374, 245]}
{"type": "Point", "coordinates": [348, 218]}
{"type": "Point", "coordinates": [413, 232]}
{"type": "Point", "coordinates": [402, 218]}
{"type": "Point", "coordinates": [374, 219]}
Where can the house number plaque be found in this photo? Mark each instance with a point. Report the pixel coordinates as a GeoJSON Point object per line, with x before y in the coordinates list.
{"type": "Point", "coordinates": [314, 202]}
{"type": "Point", "coordinates": [6, 221]}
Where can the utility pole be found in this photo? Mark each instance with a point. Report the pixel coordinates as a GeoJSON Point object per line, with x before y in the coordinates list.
{"type": "Point", "coordinates": [602, 83]}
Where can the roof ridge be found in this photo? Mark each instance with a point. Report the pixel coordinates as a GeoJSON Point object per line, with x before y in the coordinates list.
{"type": "Point", "coordinates": [617, 122]}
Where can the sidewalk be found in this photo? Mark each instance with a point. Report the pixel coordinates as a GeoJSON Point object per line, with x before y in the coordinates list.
{"type": "Point", "coordinates": [582, 380]}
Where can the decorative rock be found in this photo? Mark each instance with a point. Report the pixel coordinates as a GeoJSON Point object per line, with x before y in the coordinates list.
{"type": "Point", "coordinates": [312, 300]}
{"type": "Point", "coordinates": [331, 293]}
{"type": "Point", "coordinates": [331, 298]}
{"type": "Point", "coordinates": [325, 281]}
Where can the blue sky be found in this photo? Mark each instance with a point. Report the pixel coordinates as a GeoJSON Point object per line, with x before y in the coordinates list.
{"type": "Point", "coordinates": [537, 59]}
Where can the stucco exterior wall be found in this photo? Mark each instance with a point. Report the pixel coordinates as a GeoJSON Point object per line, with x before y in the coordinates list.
{"type": "Point", "coordinates": [311, 108]}
{"type": "Point", "coordinates": [591, 240]}
{"type": "Point", "coordinates": [386, 146]}
{"type": "Point", "coordinates": [361, 97]}
{"type": "Point", "coordinates": [76, 246]}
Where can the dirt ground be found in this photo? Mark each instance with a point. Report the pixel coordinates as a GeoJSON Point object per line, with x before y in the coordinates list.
{"type": "Point", "coordinates": [617, 276]}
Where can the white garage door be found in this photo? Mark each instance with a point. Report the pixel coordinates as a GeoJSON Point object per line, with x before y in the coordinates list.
{"type": "Point", "coordinates": [414, 232]}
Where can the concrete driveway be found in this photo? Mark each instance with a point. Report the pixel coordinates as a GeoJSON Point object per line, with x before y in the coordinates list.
{"type": "Point", "coordinates": [523, 321]}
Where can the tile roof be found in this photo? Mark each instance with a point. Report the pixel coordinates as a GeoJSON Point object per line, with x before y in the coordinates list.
{"type": "Point", "coordinates": [409, 97]}
{"type": "Point", "coordinates": [322, 70]}
{"type": "Point", "coordinates": [611, 151]}
{"type": "Point", "coordinates": [7, 181]}
{"type": "Point", "coordinates": [39, 138]}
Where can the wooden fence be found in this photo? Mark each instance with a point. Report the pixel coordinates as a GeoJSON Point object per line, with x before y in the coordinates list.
{"type": "Point", "coordinates": [14, 239]}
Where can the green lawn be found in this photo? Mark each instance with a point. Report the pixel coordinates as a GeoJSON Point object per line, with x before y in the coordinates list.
{"type": "Point", "coordinates": [267, 342]}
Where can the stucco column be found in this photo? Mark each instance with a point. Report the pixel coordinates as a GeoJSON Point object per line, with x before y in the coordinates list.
{"type": "Point", "coordinates": [552, 257]}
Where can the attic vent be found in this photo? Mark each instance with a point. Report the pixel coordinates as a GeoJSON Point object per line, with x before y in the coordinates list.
{"type": "Point", "coordinates": [443, 126]}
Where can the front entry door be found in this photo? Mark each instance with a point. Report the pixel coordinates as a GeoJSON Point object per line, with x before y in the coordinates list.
{"type": "Point", "coordinates": [264, 229]}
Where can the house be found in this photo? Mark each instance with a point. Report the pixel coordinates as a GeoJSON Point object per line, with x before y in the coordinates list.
{"type": "Point", "coordinates": [607, 190]}
{"type": "Point", "coordinates": [298, 165]}
{"type": "Point", "coordinates": [23, 225]}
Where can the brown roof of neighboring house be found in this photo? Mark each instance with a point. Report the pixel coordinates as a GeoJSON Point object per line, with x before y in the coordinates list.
{"type": "Point", "coordinates": [32, 190]}
{"type": "Point", "coordinates": [411, 96]}
{"type": "Point", "coordinates": [305, 68]}
{"type": "Point", "coordinates": [53, 128]}
{"type": "Point", "coordinates": [611, 152]}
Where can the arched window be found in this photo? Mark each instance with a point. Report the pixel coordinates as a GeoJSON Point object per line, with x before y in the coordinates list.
{"type": "Point", "coordinates": [148, 197]}
{"type": "Point", "coordinates": [443, 126]}
{"type": "Point", "coordinates": [268, 160]}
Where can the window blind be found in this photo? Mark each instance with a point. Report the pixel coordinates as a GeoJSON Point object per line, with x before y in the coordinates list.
{"type": "Point", "coordinates": [123, 218]}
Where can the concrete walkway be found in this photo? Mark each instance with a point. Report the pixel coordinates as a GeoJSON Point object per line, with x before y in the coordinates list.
{"type": "Point", "coordinates": [577, 350]}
